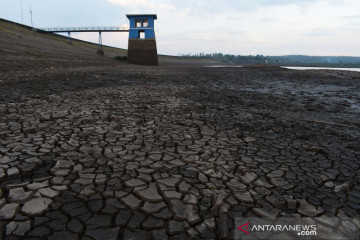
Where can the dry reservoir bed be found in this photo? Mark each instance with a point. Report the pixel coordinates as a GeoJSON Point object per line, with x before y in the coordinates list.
{"type": "Point", "coordinates": [176, 152]}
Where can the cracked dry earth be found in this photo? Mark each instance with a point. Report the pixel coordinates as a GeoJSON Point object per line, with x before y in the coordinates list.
{"type": "Point", "coordinates": [176, 152]}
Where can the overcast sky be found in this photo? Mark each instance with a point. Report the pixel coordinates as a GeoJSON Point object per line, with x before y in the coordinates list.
{"type": "Point", "coordinates": [268, 27]}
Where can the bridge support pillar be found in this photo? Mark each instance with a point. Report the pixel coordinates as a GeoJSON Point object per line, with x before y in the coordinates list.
{"type": "Point", "coordinates": [100, 42]}
{"type": "Point", "coordinates": [69, 38]}
{"type": "Point", "coordinates": [100, 51]}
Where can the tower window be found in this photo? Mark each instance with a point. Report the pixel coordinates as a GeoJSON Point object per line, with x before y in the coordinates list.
{"type": "Point", "coordinates": [137, 22]}
{"type": "Point", "coordinates": [145, 23]}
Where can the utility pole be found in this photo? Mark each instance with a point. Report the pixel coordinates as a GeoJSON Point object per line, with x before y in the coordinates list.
{"type": "Point", "coordinates": [31, 18]}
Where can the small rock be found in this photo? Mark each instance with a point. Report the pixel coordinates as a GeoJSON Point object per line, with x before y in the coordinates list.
{"type": "Point", "coordinates": [192, 233]}
{"type": "Point", "coordinates": [8, 211]}
{"type": "Point", "coordinates": [135, 183]}
{"type": "Point", "coordinates": [155, 157]}
{"type": "Point", "coordinates": [48, 192]}
{"type": "Point", "coordinates": [236, 186]}
{"type": "Point", "coordinates": [18, 228]}
{"type": "Point", "coordinates": [164, 214]}
{"type": "Point", "coordinates": [330, 221]}
{"type": "Point", "coordinates": [174, 227]}
{"type": "Point", "coordinates": [218, 201]}
{"type": "Point", "coordinates": [149, 194]}
{"type": "Point", "coordinates": [249, 139]}
{"type": "Point", "coordinates": [308, 209]}
{"type": "Point", "coordinates": [178, 209]}
{"type": "Point", "coordinates": [267, 214]}
{"type": "Point", "coordinates": [201, 228]}
{"type": "Point", "coordinates": [22, 228]}
{"type": "Point", "coordinates": [18, 195]}
{"type": "Point", "coordinates": [36, 207]}
{"type": "Point", "coordinates": [276, 201]}
{"type": "Point", "coordinates": [177, 162]}
{"type": "Point", "coordinates": [190, 199]}
{"type": "Point", "coordinates": [206, 131]}
{"type": "Point", "coordinates": [172, 195]}
{"type": "Point", "coordinates": [318, 150]}
{"type": "Point", "coordinates": [5, 160]}
{"type": "Point", "coordinates": [341, 187]}
{"type": "Point", "coordinates": [150, 208]}
{"type": "Point", "coordinates": [244, 197]}
{"type": "Point", "coordinates": [169, 182]}
{"type": "Point", "coordinates": [291, 204]}
{"type": "Point", "coordinates": [10, 228]}
{"type": "Point", "coordinates": [2, 173]}
{"type": "Point", "coordinates": [210, 223]}
{"type": "Point", "coordinates": [2, 202]}
{"type": "Point", "coordinates": [131, 201]}
{"type": "Point", "coordinates": [248, 178]}
{"type": "Point", "coordinates": [184, 187]}
{"type": "Point", "coordinates": [329, 184]}
{"type": "Point", "coordinates": [120, 194]}
{"type": "Point", "coordinates": [37, 185]}
{"type": "Point", "coordinates": [191, 216]}
{"type": "Point", "coordinates": [12, 171]}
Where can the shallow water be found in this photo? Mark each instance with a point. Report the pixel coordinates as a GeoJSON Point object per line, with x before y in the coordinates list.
{"type": "Point", "coordinates": [294, 68]}
{"type": "Point", "coordinates": [322, 68]}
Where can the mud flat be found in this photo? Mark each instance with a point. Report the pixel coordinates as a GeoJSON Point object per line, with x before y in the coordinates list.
{"type": "Point", "coordinates": [175, 152]}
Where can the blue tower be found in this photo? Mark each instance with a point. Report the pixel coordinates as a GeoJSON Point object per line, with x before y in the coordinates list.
{"type": "Point", "coordinates": [142, 43]}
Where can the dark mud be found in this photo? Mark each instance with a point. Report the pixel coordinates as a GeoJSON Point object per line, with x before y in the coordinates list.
{"type": "Point", "coordinates": [210, 144]}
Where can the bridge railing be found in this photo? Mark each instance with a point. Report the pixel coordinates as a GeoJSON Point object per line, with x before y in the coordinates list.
{"type": "Point", "coordinates": [74, 29]}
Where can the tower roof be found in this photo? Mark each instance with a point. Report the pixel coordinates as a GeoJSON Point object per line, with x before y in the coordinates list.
{"type": "Point", "coordinates": [141, 15]}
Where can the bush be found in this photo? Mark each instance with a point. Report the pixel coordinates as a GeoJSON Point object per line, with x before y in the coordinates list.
{"type": "Point", "coordinates": [121, 58]}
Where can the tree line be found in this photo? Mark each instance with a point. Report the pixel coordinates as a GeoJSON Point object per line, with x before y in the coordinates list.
{"type": "Point", "coordinates": [279, 60]}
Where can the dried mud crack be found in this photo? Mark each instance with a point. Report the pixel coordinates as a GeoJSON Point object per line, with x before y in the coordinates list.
{"type": "Point", "coordinates": [131, 152]}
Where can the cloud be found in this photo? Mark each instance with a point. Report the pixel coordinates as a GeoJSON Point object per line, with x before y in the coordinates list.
{"type": "Point", "coordinates": [215, 7]}
{"type": "Point", "coordinates": [352, 17]}
{"type": "Point", "coordinates": [246, 27]}
{"type": "Point", "coordinates": [131, 3]}
{"type": "Point", "coordinates": [320, 32]}
{"type": "Point", "coordinates": [142, 4]}
{"type": "Point", "coordinates": [268, 19]}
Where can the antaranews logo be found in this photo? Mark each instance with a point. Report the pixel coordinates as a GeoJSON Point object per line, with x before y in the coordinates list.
{"type": "Point", "coordinates": [295, 228]}
{"type": "Point", "coordinates": [241, 228]}
{"type": "Point", "coordinates": [274, 228]}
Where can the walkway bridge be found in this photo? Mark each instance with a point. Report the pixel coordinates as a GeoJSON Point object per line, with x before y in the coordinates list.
{"type": "Point", "coordinates": [69, 30]}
